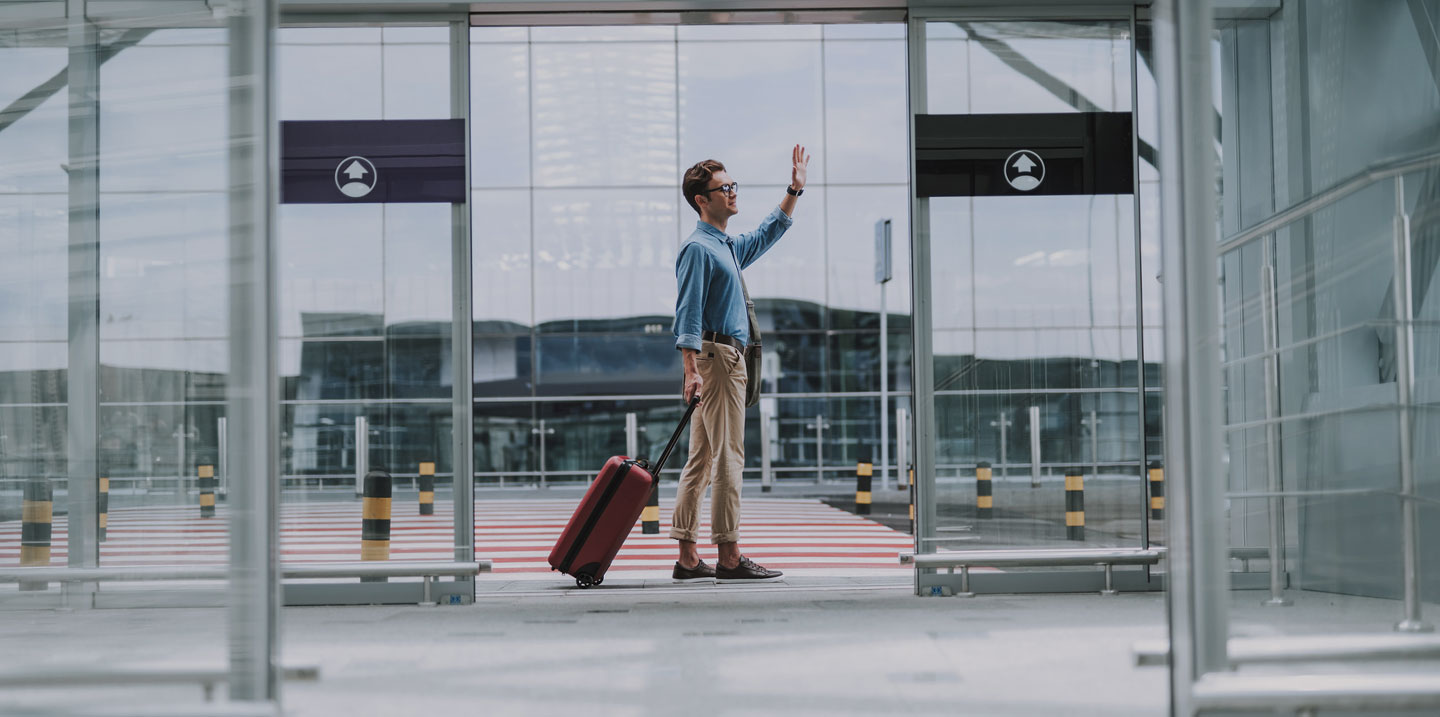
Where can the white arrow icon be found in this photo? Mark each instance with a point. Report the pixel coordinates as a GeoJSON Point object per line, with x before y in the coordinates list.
{"type": "Point", "coordinates": [350, 176]}
{"type": "Point", "coordinates": [1024, 170]}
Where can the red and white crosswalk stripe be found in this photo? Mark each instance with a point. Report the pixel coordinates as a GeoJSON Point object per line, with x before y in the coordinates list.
{"type": "Point", "coordinates": [516, 535]}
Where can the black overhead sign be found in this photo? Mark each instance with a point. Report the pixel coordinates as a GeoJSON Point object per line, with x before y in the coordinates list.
{"type": "Point", "coordinates": [372, 161]}
{"type": "Point", "coordinates": [1019, 154]}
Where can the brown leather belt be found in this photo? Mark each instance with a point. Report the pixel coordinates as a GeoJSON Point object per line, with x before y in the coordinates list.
{"type": "Point", "coordinates": [723, 339]}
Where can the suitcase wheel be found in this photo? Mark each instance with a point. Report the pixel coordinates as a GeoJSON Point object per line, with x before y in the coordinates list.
{"type": "Point", "coordinates": [584, 580]}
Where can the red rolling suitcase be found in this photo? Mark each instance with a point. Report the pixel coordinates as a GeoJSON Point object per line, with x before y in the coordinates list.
{"type": "Point", "coordinates": [608, 512]}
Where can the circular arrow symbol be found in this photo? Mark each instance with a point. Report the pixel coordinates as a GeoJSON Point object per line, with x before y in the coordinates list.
{"type": "Point", "coordinates": [1024, 170]}
{"type": "Point", "coordinates": [355, 177]}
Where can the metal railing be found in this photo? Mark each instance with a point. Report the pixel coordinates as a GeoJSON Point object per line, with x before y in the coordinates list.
{"type": "Point", "coordinates": [1306, 648]}
{"type": "Point", "coordinates": [428, 572]}
{"type": "Point", "coordinates": [206, 677]}
{"type": "Point", "coordinates": [965, 559]}
{"type": "Point", "coordinates": [1404, 322]}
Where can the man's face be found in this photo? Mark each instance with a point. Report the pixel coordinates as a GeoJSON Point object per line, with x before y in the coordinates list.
{"type": "Point", "coordinates": [719, 202]}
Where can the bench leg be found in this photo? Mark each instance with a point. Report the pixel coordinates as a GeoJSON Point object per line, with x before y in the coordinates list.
{"type": "Point", "coordinates": [428, 597]}
{"type": "Point", "coordinates": [1109, 581]}
{"type": "Point", "coordinates": [964, 581]}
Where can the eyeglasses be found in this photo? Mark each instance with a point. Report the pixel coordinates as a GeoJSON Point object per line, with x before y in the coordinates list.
{"type": "Point", "coordinates": [732, 189]}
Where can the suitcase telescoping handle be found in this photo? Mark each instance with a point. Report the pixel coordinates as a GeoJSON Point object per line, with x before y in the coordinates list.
{"type": "Point", "coordinates": [675, 438]}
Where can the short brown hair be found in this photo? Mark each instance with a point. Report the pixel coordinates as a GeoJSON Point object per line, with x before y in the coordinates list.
{"type": "Point", "coordinates": [697, 177]}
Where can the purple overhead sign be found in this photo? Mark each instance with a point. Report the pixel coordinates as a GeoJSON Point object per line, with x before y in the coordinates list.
{"type": "Point", "coordinates": [372, 161]}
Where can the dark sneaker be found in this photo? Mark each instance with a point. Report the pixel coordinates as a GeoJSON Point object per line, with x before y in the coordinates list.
{"type": "Point", "coordinates": [700, 573]}
{"type": "Point", "coordinates": [746, 572]}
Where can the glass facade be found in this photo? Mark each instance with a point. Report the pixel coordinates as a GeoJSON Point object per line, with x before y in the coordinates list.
{"type": "Point", "coordinates": [1314, 403]}
{"type": "Point", "coordinates": [121, 199]}
{"type": "Point", "coordinates": [581, 135]}
{"type": "Point", "coordinates": [1036, 303]}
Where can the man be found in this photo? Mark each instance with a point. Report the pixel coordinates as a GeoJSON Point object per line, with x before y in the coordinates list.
{"type": "Point", "coordinates": [711, 330]}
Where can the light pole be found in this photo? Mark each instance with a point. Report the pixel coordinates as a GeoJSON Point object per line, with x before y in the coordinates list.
{"type": "Point", "coordinates": [1003, 422]}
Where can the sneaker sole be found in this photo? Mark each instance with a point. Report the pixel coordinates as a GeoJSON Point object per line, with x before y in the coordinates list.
{"type": "Point", "coordinates": [689, 581]}
{"type": "Point", "coordinates": [775, 579]}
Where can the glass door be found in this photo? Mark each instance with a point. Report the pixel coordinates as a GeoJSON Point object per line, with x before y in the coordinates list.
{"type": "Point", "coordinates": [1026, 218]}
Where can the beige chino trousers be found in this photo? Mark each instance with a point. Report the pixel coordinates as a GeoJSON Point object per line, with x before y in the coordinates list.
{"type": "Point", "coordinates": [717, 448]}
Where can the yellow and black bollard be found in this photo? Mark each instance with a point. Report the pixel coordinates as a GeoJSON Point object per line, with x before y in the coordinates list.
{"type": "Point", "coordinates": [426, 484]}
{"type": "Point", "coordinates": [650, 515]}
{"type": "Point", "coordinates": [207, 484]}
{"type": "Point", "coordinates": [984, 491]}
{"type": "Point", "coordinates": [1074, 505]}
{"type": "Point", "coordinates": [1157, 490]}
{"type": "Point", "coordinates": [910, 473]}
{"type": "Point", "coordinates": [864, 471]}
{"type": "Point", "coordinates": [102, 507]}
{"type": "Point", "coordinates": [375, 520]}
{"type": "Point", "coordinates": [36, 512]}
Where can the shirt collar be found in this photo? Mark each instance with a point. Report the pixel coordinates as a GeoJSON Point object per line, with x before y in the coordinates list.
{"type": "Point", "coordinates": [708, 228]}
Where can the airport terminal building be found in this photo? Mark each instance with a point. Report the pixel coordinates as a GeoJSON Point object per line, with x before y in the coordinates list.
{"type": "Point", "coordinates": [1113, 295]}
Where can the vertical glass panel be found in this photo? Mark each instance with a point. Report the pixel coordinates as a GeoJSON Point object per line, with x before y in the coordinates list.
{"type": "Point", "coordinates": [1036, 276]}
{"type": "Point", "coordinates": [417, 269]}
{"type": "Point", "coordinates": [166, 135]}
{"type": "Point", "coordinates": [1034, 301]}
{"type": "Point", "coordinates": [853, 294]}
{"type": "Point", "coordinates": [1049, 67]}
{"type": "Point", "coordinates": [332, 273]}
{"type": "Point", "coordinates": [33, 145]}
{"type": "Point", "coordinates": [328, 81]}
{"type": "Point", "coordinates": [865, 125]}
{"type": "Point", "coordinates": [596, 127]}
{"type": "Point", "coordinates": [163, 265]}
{"type": "Point", "coordinates": [365, 303]}
{"type": "Point", "coordinates": [502, 257]}
{"type": "Point", "coordinates": [406, 97]}
{"type": "Point", "coordinates": [787, 274]}
{"type": "Point", "coordinates": [33, 238]}
{"type": "Point", "coordinates": [591, 244]}
{"type": "Point", "coordinates": [499, 114]}
{"type": "Point", "coordinates": [331, 370]}
{"type": "Point", "coordinates": [504, 365]}
{"type": "Point", "coordinates": [506, 444]}
{"type": "Point", "coordinates": [593, 363]}
{"type": "Point", "coordinates": [164, 370]}
{"type": "Point", "coordinates": [780, 82]}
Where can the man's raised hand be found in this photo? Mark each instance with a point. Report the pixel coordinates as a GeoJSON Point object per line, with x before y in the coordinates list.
{"type": "Point", "coordinates": [799, 165]}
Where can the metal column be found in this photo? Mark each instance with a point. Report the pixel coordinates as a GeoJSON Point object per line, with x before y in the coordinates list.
{"type": "Point", "coordinates": [462, 446]}
{"type": "Point", "coordinates": [1198, 579]}
{"type": "Point", "coordinates": [1270, 328]}
{"type": "Point", "coordinates": [362, 453]}
{"type": "Point", "coordinates": [1404, 387]}
{"type": "Point", "coordinates": [1035, 456]}
{"type": "Point", "coordinates": [84, 289]}
{"type": "Point", "coordinates": [253, 400]}
{"type": "Point", "coordinates": [922, 321]}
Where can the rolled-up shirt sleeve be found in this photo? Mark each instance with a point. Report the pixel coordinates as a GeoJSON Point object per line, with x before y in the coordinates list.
{"type": "Point", "coordinates": [692, 276]}
{"type": "Point", "coordinates": [752, 245]}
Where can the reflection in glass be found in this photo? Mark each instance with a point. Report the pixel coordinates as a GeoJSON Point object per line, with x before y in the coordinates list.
{"type": "Point", "coordinates": [603, 253]}
{"type": "Point", "coordinates": [596, 127]}
{"type": "Point", "coordinates": [783, 77]}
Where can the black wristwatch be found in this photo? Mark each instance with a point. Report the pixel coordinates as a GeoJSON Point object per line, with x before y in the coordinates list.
{"type": "Point", "coordinates": [793, 191]}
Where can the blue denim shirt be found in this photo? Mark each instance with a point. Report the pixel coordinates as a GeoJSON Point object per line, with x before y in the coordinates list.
{"type": "Point", "coordinates": [708, 275]}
